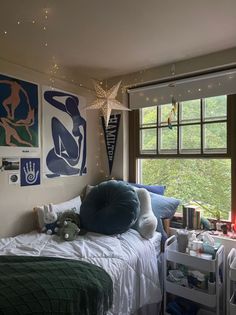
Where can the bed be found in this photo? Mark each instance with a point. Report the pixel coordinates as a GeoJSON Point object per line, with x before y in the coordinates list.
{"type": "Point", "coordinates": [129, 259]}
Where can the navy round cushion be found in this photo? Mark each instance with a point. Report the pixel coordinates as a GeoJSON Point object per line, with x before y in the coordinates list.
{"type": "Point", "coordinates": [110, 208]}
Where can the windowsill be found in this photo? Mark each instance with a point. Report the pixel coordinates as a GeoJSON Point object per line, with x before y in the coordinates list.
{"type": "Point", "coordinates": [179, 215]}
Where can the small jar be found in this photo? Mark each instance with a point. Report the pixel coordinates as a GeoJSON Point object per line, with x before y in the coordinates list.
{"type": "Point", "coordinates": [201, 282]}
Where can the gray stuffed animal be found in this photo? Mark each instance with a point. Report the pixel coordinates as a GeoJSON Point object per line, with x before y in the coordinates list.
{"type": "Point", "coordinates": [69, 223]}
{"type": "Point", "coordinates": [69, 231]}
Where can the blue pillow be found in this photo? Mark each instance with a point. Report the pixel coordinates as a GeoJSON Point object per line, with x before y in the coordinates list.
{"type": "Point", "coordinates": [163, 208]}
{"type": "Point", "coordinates": [110, 208]}
{"type": "Point", "coordinates": [156, 189]}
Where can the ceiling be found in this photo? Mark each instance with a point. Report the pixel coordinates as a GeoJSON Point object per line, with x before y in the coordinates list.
{"type": "Point", "coordinates": [105, 38]}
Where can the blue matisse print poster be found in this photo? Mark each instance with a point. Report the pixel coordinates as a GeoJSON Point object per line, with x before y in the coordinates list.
{"type": "Point", "coordinates": [30, 171]}
{"type": "Point", "coordinates": [64, 134]}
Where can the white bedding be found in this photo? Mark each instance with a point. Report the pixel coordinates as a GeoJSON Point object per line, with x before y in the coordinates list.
{"type": "Point", "coordinates": [129, 259]}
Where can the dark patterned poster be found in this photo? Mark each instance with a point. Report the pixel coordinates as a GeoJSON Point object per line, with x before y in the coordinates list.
{"type": "Point", "coordinates": [19, 112]}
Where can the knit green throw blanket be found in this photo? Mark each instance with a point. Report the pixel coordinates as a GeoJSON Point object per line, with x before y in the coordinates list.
{"type": "Point", "coordinates": [43, 285]}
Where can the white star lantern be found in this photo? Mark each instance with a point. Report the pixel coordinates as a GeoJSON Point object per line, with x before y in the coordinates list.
{"type": "Point", "coordinates": [106, 101]}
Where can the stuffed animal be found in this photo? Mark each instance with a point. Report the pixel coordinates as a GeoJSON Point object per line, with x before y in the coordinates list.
{"type": "Point", "coordinates": [50, 220]}
{"type": "Point", "coordinates": [69, 215]}
{"type": "Point", "coordinates": [69, 231]}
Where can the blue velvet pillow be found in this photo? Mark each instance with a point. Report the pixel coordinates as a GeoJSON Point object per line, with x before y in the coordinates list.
{"type": "Point", "coordinates": [156, 189]}
{"type": "Point", "coordinates": [110, 208]}
{"type": "Point", "coordinates": [164, 208]}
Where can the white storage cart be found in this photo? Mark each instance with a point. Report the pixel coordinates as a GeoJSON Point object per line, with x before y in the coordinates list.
{"type": "Point", "coordinates": [231, 282]}
{"type": "Point", "coordinates": [214, 302]}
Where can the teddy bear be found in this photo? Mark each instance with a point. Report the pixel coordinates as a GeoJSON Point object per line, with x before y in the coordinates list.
{"type": "Point", "coordinates": [69, 215]}
{"type": "Point", "coordinates": [50, 220]}
{"type": "Point", "coordinates": [68, 225]}
{"type": "Point", "coordinates": [69, 231]}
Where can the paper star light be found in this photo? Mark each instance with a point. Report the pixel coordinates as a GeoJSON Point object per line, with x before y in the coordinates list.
{"type": "Point", "coordinates": [106, 101]}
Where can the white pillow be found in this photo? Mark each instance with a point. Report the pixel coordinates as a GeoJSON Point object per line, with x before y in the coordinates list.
{"type": "Point", "coordinates": [147, 222]}
{"type": "Point", "coordinates": [67, 205]}
{"type": "Point", "coordinates": [73, 204]}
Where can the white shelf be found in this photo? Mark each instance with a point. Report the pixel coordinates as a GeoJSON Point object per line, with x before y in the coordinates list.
{"type": "Point", "coordinates": [191, 294]}
{"type": "Point", "coordinates": [192, 261]}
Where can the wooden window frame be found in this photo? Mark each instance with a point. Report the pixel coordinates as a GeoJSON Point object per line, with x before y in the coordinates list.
{"type": "Point", "coordinates": [134, 148]}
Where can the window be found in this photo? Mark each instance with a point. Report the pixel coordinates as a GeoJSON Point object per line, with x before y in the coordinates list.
{"type": "Point", "coordinates": [198, 127]}
{"type": "Point", "coordinates": [194, 158]}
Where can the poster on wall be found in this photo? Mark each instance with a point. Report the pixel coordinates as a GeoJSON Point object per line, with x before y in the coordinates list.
{"type": "Point", "coordinates": [19, 117]}
{"type": "Point", "coordinates": [111, 134]}
{"type": "Point", "coordinates": [64, 134]}
{"type": "Point", "coordinates": [29, 171]}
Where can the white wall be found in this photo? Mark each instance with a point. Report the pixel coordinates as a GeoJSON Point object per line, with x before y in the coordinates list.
{"type": "Point", "coordinates": [16, 203]}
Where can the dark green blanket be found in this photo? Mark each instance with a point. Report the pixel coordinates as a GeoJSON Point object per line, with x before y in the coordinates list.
{"type": "Point", "coordinates": [42, 285]}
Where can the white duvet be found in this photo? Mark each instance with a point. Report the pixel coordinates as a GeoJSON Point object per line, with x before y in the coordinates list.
{"type": "Point", "coordinates": [130, 260]}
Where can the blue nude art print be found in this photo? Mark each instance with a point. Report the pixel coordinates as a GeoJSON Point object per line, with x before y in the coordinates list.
{"type": "Point", "coordinates": [64, 132]}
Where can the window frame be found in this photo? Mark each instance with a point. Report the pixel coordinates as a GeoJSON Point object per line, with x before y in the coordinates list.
{"type": "Point", "coordinates": [135, 154]}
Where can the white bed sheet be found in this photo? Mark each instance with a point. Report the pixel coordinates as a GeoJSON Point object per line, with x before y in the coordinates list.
{"type": "Point", "coordinates": [130, 260]}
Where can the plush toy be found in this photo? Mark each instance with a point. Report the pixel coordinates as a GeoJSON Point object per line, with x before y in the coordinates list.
{"type": "Point", "coordinates": [50, 220]}
{"type": "Point", "coordinates": [69, 223]}
{"type": "Point", "coordinates": [69, 215]}
{"type": "Point", "coordinates": [69, 231]}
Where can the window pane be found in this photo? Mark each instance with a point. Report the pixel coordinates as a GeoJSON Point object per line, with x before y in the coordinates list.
{"type": "Point", "coordinates": [148, 116]}
{"type": "Point", "coordinates": [204, 180]}
{"type": "Point", "coordinates": [216, 107]}
{"type": "Point", "coordinates": [191, 111]}
{"type": "Point", "coordinates": [164, 111]}
{"type": "Point", "coordinates": [148, 140]}
{"type": "Point", "coordinates": [168, 139]}
{"type": "Point", "coordinates": [190, 137]}
{"type": "Point", "coordinates": [215, 136]}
